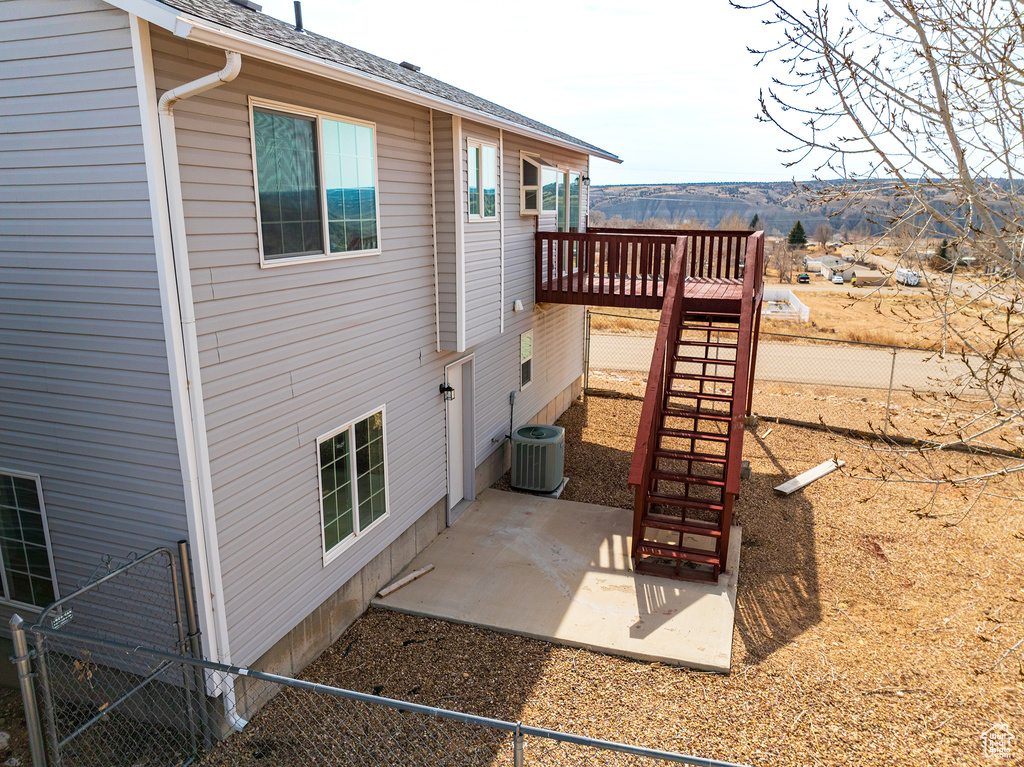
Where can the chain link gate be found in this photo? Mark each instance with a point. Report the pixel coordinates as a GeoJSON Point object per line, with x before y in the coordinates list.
{"type": "Point", "coordinates": [97, 705]}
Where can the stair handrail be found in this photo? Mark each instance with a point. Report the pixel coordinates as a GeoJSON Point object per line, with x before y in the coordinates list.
{"type": "Point", "coordinates": [753, 287]}
{"type": "Point", "coordinates": [650, 414]}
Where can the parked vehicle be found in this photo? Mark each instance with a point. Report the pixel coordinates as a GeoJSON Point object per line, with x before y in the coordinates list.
{"type": "Point", "coordinates": [803, 278]}
{"type": "Point", "coordinates": [837, 279]}
{"type": "Point", "coordinates": [907, 277]}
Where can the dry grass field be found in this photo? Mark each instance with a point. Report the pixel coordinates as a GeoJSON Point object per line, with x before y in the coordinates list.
{"type": "Point", "coordinates": [874, 626]}
{"type": "Point", "coordinates": [887, 316]}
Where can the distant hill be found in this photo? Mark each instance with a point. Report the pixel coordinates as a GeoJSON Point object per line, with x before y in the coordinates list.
{"type": "Point", "coordinates": [778, 204]}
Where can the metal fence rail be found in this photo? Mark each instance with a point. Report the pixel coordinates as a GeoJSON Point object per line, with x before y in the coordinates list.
{"type": "Point", "coordinates": [155, 716]}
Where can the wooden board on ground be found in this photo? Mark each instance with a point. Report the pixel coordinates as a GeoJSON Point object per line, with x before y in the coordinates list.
{"type": "Point", "coordinates": [819, 471]}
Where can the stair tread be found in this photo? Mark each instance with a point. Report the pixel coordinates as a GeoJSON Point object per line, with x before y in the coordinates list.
{"type": "Point", "coordinates": [698, 395]}
{"type": "Point", "coordinates": [671, 553]}
{"type": "Point", "coordinates": [703, 360]}
{"type": "Point", "coordinates": [668, 500]}
{"type": "Point", "coordinates": [706, 328]}
{"type": "Point", "coordinates": [699, 377]}
{"type": "Point", "coordinates": [690, 434]}
{"type": "Point", "coordinates": [680, 455]}
{"type": "Point", "coordinates": [646, 567]}
{"type": "Point", "coordinates": [691, 479]}
{"type": "Point", "coordinates": [708, 344]}
{"type": "Point", "coordinates": [667, 523]}
{"type": "Point", "coordinates": [707, 416]}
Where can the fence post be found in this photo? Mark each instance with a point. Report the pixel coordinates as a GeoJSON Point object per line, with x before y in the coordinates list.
{"type": "Point", "coordinates": [888, 400]}
{"type": "Point", "coordinates": [194, 646]}
{"type": "Point", "coordinates": [23, 662]}
{"type": "Point", "coordinates": [517, 746]}
{"type": "Point", "coordinates": [586, 358]}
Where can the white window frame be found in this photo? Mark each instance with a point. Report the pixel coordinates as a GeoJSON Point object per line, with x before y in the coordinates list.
{"type": "Point", "coordinates": [540, 200]}
{"type": "Point", "coordinates": [524, 188]}
{"type": "Point", "coordinates": [472, 144]}
{"type": "Point", "coordinates": [357, 534]}
{"type": "Point", "coordinates": [523, 386]}
{"type": "Point", "coordinates": [317, 116]}
{"type": "Point", "coordinates": [49, 548]}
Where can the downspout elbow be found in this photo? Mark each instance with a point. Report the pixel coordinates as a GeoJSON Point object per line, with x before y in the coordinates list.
{"type": "Point", "coordinates": [232, 67]}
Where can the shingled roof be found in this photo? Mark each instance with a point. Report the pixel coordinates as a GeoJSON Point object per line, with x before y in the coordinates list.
{"type": "Point", "coordinates": [263, 27]}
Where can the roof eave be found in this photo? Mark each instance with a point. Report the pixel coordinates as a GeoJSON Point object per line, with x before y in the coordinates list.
{"type": "Point", "coordinates": [200, 31]}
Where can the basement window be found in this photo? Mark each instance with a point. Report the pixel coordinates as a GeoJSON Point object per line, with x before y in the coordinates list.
{"type": "Point", "coordinates": [27, 573]}
{"type": "Point", "coordinates": [525, 359]}
{"type": "Point", "coordinates": [353, 481]}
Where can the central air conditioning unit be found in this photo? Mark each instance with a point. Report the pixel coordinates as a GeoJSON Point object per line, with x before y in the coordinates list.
{"type": "Point", "coordinates": [538, 458]}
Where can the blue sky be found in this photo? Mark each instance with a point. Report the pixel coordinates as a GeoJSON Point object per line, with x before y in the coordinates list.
{"type": "Point", "coordinates": [667, 86]}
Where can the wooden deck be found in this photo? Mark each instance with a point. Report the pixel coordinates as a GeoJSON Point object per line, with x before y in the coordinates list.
{"type": "Point", "coordinates": [629, 269]}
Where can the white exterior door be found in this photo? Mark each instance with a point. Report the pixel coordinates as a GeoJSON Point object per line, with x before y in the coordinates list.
{"type": "Point", "coordinates": [459, 430]}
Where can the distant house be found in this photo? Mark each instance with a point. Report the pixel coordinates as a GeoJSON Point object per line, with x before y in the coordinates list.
{"type": "Point", "coordinates": [832, 262]}
{"type": "Point", "coordinates": [261, 291]}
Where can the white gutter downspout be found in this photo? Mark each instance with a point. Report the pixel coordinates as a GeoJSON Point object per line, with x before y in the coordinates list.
{"type": "Point", "coordinates": [201, 476]}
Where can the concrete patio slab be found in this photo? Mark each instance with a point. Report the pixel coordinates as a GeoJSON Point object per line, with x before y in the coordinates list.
{"type": "Point", "coordinates": [559, 571]}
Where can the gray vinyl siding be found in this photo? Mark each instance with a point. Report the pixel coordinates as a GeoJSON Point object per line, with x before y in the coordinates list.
{"type": "Point", "coordinates": [293, 352]}
{"type": "Point", "coordinates": [558, 330]}
{"type": "Point", "coordinates": [482, 252]}
{"type": "Point", "coordinates": [84, 385]}
{"type": "Point", "coordinates": [445, 212]}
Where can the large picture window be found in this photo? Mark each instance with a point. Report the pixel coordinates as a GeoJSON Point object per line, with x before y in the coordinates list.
{"type": "Point", "coordinates": [353, 480]}
{"type": "Point", "coordinates": [316, 177]}
{"type": "Point", "coordinates": [27, 574]}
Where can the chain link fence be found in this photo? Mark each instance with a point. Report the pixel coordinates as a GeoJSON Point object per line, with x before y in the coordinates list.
{"type": "Point", "coordinates": [113, 675]}
{"type": "Point", "coordinates": [156, 716]}
{"type": "Point", "coordinates": [843, 383]}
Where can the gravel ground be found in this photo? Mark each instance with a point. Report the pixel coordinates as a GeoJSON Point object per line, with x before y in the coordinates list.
{"type": "Point", "coordinates": [871, 627]}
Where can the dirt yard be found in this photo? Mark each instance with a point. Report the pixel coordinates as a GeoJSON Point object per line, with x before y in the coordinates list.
{"type": "Point", "coordinates": [873, 625]}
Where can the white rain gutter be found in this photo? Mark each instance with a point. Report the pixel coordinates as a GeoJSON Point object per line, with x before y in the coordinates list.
{"type": "Point", "coordinates": [200, 479]}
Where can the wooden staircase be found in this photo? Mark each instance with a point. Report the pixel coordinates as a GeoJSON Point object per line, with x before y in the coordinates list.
{"type": "Point", "coordinates": [688, 458]}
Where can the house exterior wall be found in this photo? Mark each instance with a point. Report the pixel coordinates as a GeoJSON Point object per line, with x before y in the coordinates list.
{"type": "Point", "coordinates": [445, 222]}
{"type": "Point", "coordinates": [483, 263]}
{"type": "Point", "coordinates": [291, 353]}
{"type": "Point", "coordinates": [85, 397]}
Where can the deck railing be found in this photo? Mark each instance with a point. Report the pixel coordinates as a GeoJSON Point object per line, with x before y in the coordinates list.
{"type": "Point", "coordinates": [753, 289]}
{"type": "Point", "coordinates": [628, 268]}
{"type": "Point", "coordinates": [650, 413]}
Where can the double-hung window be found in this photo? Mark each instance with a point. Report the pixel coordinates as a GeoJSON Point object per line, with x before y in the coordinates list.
{"type": "Point", "coordinates": [316, 179]}
{"type": "Point", "coordinates": [353, 481]}
{"type": "Point", "coordinates": [27, 574]}
{"type": "Point", "coordinates": [483, 180]}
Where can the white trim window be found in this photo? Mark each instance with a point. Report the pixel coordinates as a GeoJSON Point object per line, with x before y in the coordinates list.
{"type": "Point", "coordinates": [482, 172]}
{"type": "Point", "coordinates": [550, 178]}
{"type": "Point", "coordinates": [529, 186]}
{"type": "Point", "coordinates": [353, 481]}
{"type": "Point", "coordinates": [569, 199]}
{"type": "Point", "coordinates": [316, 184]}
{"type": "Point", "coordinates": [525, 359]}
{"type": "Point", "coordinates": [27, 571]}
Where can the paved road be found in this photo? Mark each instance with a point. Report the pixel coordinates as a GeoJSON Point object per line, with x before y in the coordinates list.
{"type": "Point", "coordinates": [862, 367]}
